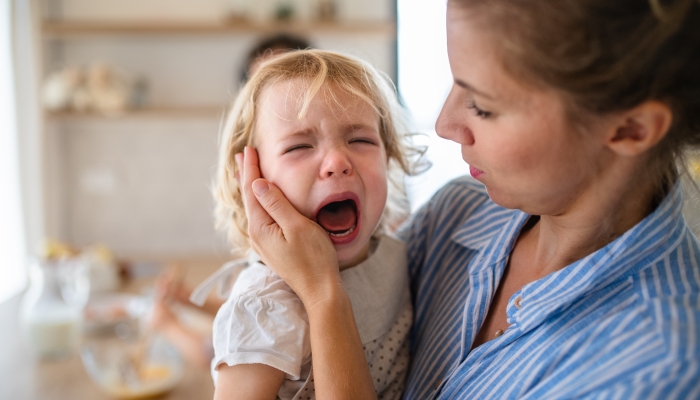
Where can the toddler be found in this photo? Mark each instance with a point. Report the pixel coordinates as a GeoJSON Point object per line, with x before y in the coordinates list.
{"type": "Point", "coordinates": [328, 133]}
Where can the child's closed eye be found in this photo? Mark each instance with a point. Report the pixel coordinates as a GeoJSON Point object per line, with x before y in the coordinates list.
{"type": "Point", "coordinates": [363, 141]}
{"type": "Point", "coordinates": [297, 147]}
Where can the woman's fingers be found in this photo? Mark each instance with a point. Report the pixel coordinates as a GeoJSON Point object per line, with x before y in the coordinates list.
{"type": "Point", "coordinates": [249, 171]}
{"type": "Point", "coordinates": [278, 207]}
{"type": "Point", "coordinates": [295, 247]}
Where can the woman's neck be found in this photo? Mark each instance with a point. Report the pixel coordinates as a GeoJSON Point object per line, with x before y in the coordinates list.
{"type": "Point", "coordinates": [598, 217]}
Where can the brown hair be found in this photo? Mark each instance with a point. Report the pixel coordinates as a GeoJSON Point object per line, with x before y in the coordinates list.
{"type": "Point", "coordinates": [609, 55]}
{"type": "Point", "coordinates": [321, 70]}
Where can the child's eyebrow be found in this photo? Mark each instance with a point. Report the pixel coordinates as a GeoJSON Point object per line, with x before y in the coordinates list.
{"type": "Point", "coordinates": [300, 133]}
{"type": "Point", "coordinates": [359, 127]}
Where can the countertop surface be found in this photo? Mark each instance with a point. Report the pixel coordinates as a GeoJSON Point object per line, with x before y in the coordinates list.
{"type": "Point", "coordinates": [24, 377]}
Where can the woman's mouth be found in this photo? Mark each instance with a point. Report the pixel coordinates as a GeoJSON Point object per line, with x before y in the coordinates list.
{"type": "Point", "coordinates": [475, 172]}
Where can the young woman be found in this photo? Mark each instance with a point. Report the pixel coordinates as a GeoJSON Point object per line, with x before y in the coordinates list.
{"type": "Point", "coordinates": [567, 271]}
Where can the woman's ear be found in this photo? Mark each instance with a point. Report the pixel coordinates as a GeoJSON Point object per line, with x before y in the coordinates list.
{"type": "Point", "coordinates": [640, 128]}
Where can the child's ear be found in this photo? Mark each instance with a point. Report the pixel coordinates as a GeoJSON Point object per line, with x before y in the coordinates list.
{"type": "Point", "coordinates": [639, 129]}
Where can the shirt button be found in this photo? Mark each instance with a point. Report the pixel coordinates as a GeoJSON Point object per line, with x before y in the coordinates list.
{"type": "Point", "coordinates": [498, 333]}
{"type": "Point", "coordinates": [437, 384]}
{"type": "Point", "coordinates": [517, 302]}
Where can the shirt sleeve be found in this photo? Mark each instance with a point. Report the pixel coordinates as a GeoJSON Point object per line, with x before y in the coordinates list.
{"type": "Point", "coordinates": [262, 322]}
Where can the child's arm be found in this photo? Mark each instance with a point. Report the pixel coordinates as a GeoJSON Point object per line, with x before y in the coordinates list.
{"type": "Point", "coordinates": [248, 382]}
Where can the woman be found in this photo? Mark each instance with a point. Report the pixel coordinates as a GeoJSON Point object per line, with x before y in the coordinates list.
{"type": "Point", "coordinates": [570, 273]}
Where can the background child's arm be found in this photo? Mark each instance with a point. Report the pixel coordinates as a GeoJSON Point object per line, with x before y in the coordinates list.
{"type": "Point", "coordinates": [248, 382]}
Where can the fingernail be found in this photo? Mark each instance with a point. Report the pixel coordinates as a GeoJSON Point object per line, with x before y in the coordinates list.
{"type": "Point", "coordinates": [260, 187]}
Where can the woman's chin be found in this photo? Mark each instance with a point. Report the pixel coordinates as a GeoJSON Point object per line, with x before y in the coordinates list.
{"type": "Point", "coordinates": [502, 199]}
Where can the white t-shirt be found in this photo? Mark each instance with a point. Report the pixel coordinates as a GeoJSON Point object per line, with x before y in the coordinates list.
{"type": "Point", "coordinates": [263, 321]}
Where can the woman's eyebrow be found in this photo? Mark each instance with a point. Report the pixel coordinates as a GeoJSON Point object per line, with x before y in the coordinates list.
{"type": "Point", "coordinates": [471, 89]}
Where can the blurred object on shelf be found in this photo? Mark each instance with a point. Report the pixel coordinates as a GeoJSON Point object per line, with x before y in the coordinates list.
{"type": "Point", "coordinates": [109, 89]}
{"type": "Point", "coordinates": [100, 88]}
{"type": "Point", "coordinates": [237, 10]}
{"type": "Point", "coordinates": [54, 250]}
{"type": "Point", "coordinates": [139, 94]}
{"type": "Point", "coordinates": [60, 87]}
{"type": "Point", "coordinates": [100, 265]}
{"type": "Point", "coordinates": [326, 10]}
{"type": "Point", "coordinates": [284, 11]}
{"type": "Point", "coordinates": [262, 11]}
{"type": "Point", "coordinates": [102, 268]}
{"type": "Point", "coordinates": [52, 309]}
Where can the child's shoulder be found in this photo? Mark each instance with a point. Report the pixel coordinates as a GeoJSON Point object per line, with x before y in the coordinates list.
{"type": "Point", "coordinates": [258, 280]}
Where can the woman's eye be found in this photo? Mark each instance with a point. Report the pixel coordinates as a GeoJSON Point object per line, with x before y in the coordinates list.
{"type": "Point", "coordinates": [297, 147]}
{"type": "Point", "coordinates": [479, 112]}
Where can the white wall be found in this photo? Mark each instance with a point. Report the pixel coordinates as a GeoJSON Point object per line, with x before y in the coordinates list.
{"type": "Point", "coordinates": [424, 81]}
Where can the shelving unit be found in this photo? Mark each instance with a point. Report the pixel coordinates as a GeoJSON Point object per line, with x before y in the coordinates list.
{"type": "Point", "coordinates": [77, 29]}
{"type": "Point", "coordinates": [61, 32]}
{"type": "Point", "coordinates": [145, 112]}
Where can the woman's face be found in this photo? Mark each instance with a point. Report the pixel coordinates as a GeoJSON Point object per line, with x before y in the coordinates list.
{"type": "Point", "coordinates": [516, 138]}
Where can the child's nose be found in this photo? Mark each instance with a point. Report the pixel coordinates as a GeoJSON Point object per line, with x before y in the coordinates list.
{"type": "Point", "coordinates": [336, 163]}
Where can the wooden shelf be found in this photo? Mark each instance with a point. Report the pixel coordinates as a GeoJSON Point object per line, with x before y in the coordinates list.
{"type": "Point", "coordinates": [212, 112]}
{"type": "Point", "coordinates": [65, 29]}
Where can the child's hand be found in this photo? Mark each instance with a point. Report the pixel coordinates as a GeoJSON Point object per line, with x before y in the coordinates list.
{"type": "Point", "coordinates": [162, 317]}
{"type": "Point", "coordinates": [296, 248]}
{"type": "Point", "coordinates": [169, 285]}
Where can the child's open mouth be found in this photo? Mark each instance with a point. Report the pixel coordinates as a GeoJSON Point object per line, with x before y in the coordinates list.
{"type": "Point", "coordinates": [339, 219]}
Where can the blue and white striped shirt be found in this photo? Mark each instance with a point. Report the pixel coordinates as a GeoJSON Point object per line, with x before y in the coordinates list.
{"type": "Point", "coordinates": [622, 323]}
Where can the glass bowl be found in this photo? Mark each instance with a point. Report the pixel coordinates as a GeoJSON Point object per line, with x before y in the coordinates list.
{"type": "Point", "coordinates": [110, 364]}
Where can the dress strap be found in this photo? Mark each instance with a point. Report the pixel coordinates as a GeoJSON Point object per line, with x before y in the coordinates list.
{"type": "Point", "coordinates": [223, 277]}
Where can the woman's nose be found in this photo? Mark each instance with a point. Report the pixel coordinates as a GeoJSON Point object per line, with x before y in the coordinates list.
{"type": "Point", "coordinates": [336, 163]}
{"type": "Point", "coordinates": [451, 123]}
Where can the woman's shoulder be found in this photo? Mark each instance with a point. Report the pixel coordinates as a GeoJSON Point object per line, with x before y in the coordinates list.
{"type": "Point", "coordinates": [668, 289]}
{"type": "Point", "coordinates": [451, 207]}
{"type": "Point", "coordinates": [458, 190]}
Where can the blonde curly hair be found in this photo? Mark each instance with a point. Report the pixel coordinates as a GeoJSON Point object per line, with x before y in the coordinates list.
{"type": "Point", "coordinates": [320, 69]}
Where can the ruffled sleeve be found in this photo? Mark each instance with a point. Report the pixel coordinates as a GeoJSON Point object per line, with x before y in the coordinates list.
{"type": "Point", "coordinates": [262, 322]}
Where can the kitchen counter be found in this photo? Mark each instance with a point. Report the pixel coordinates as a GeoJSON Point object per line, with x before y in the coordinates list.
{"type": "Point", "coordinates": [23, 377]}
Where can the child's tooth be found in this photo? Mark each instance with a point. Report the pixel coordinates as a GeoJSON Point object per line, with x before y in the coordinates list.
{"type": "Point", "coordinates": [349, 231]}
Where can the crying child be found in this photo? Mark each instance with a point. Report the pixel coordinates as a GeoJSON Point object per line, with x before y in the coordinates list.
{"type": "Point", "coordinates": [328, 132]}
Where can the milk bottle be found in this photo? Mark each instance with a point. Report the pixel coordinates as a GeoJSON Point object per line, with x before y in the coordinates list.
{"type": "Point", "coordinates": [52, 307]}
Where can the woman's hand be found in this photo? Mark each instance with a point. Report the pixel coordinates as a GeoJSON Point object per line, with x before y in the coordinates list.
{"type": "Point", "coordinates": [296, 248]}
{"type": "Point", "coordinates": [302, 254]}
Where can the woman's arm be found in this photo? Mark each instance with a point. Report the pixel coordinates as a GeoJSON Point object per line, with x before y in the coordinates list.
{"type": "Point", "coordinates": [300, 252]}
{"type": "Point", "coordinates": [248, 382]}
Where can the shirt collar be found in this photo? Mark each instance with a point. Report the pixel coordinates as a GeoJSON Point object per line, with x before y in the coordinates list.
{"type": "Point", "coordinates": [642, 245]}
{"type": "Point", "coordinates": [485, 223]}
{"type": "Point", "coordinates": [493, 230]}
